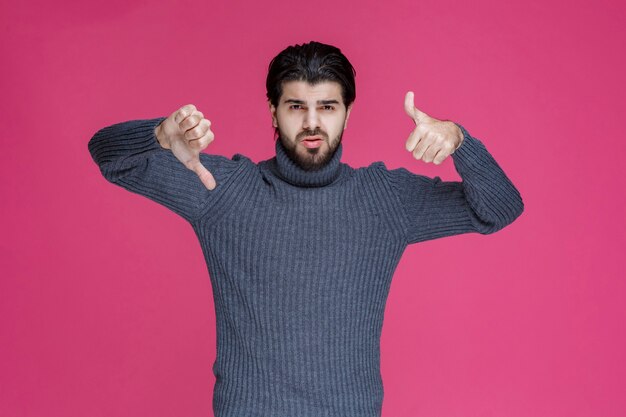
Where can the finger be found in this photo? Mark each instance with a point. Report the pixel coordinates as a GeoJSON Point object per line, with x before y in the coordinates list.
{"type": "Point", "coordinates": [194, 133]}
{"type": "Point", "coordinates": [203, 142]}
{"type": "Point", "coordinates": [205, 176]}
{"type": "Point", "coordinates": [191, 121]}
{"type": "Point", "coordinates": [184, 112]}
{"type": "Point", "coordinates": [422, 147]}
{"type": "Point", "coordinates": [420, 116]}
{"type": "Point", "coordinates": [413, 112]}
{"type": "Point", "coordinates": [431, 152]}
{"type": "Point", "coordinates": [198, 131]}
{"type": "Point", "coordinates": [441, 156]}
{"type": "Point", "coordinates": [409, 105]}
{"type": "Point", "coordinates": [413, 140]}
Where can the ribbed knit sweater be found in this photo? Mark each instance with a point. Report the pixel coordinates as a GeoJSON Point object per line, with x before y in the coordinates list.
{"type": "Point", "coordinates": [301, 262]}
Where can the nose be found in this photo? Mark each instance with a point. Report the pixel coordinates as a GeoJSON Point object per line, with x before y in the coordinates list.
{"type": "Point", "coordinates": [311, 119]}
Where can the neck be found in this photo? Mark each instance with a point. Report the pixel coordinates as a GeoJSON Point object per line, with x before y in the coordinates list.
{"type": "Point", "coordinates": [291, 172]}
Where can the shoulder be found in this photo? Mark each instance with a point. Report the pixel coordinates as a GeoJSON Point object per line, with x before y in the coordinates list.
{"type": "Point", "coordinates": [400, 179]}
{"type": "Point", "coordinates": [381, 169]}
{"type": "Point", "coordinates": [220, 161]}
{"type": "Point", "coordinates": [224, 167]}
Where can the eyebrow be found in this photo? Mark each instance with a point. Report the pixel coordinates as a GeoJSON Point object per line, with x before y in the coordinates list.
{"type": "Point", "coordinates": [294, 101]}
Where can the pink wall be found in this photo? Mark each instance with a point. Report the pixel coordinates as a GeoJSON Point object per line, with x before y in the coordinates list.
{"type": "Point", "coordinates": [105, 303]}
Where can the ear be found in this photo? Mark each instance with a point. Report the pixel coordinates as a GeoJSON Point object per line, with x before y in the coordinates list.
{"type": "Point", "coordinates": [345, 124]}
{"type": "Point", "coordinates": [273, 114]}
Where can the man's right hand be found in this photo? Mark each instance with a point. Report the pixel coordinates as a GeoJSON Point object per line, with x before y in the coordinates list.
{"type": "Point", "coordinates": [186, 133]}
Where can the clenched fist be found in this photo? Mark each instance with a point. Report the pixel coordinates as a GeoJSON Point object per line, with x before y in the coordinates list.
{"type": "Point", "coordinates": [186, 133]}
{"type": "Point", "coordinates": [432, 140]}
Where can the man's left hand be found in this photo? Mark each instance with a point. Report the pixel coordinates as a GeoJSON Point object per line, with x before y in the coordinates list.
{"type": "Point", "coordinates": [432, 140]}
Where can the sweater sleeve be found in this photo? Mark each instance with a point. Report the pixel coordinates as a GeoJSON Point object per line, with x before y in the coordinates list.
{"type": "Point", "coordinates": [485, 201]}
{"type": "Point", "coordinates": [129, 155]}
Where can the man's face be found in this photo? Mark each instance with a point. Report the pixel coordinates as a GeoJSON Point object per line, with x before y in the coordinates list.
{"type": "Point", "coordinates": [306, 112]}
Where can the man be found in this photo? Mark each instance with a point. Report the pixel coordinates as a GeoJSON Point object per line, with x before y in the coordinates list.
{"type": "Point", "coordinates": [301, 248]}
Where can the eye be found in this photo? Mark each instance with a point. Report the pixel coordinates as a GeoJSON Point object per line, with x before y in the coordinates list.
{"type": "Point", "coordinates": [295, 106]}
{"type": "Point", "coordinates": [329, 107]}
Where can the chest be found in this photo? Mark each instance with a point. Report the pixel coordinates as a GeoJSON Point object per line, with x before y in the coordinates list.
{"type": "Point", "coordinates": [310, 232]}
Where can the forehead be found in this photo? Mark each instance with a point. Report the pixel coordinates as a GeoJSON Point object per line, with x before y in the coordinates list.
{"type": "Point", "coordinates": [302, 90]}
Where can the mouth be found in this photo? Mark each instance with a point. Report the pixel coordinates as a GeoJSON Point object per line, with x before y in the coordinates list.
{"type": "Point", "coordinates": [312, 142]}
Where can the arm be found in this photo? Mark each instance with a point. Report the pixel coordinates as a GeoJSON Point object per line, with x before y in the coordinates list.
{"type": "Point", "coordinates": [485, 201]}
{"type": "Point", "coordinates": [129, 155]}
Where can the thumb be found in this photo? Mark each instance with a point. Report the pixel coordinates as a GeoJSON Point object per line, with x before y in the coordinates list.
{"type": "Point", "coordinates": [205, 176]}
{"type": "Point", "coordinates": [409, 106]}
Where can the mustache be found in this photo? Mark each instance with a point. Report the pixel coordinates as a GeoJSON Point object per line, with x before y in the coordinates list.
{"type": "Point", "coordinates": [316, 132]}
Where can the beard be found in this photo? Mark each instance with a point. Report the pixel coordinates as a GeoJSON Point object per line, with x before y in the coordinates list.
{"type": "Point", "coordinates": [311, 159]}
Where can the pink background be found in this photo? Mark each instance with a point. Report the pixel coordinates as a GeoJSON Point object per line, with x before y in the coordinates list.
{"type": "Point", "coordinates": [106, 306]}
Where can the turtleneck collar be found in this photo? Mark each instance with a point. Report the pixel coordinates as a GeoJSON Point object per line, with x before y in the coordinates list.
{"type": "Point", "coordinates": [289, 171]}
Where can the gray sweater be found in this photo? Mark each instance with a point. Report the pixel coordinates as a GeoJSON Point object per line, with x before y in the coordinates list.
{"type": "Point", "coordinates": [301, 262]}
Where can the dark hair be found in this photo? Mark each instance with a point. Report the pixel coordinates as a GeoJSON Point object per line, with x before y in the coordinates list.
{"type": "Point", "coordinates": [312, 62]}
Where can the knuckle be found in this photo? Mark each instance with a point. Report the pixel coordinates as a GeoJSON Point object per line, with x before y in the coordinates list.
{"type": "Point", "coordinates": [189, 123]}
{"type": "Point", "coordinates": [189, 135]}
{"type": "Point", "coordinates": [185, 111]}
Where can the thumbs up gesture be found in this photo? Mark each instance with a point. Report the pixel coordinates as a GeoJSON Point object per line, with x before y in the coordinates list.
{"type": "Point", "coordinates": [186, 133]}
{"type": "Point", "coordinates": [432, 140]}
